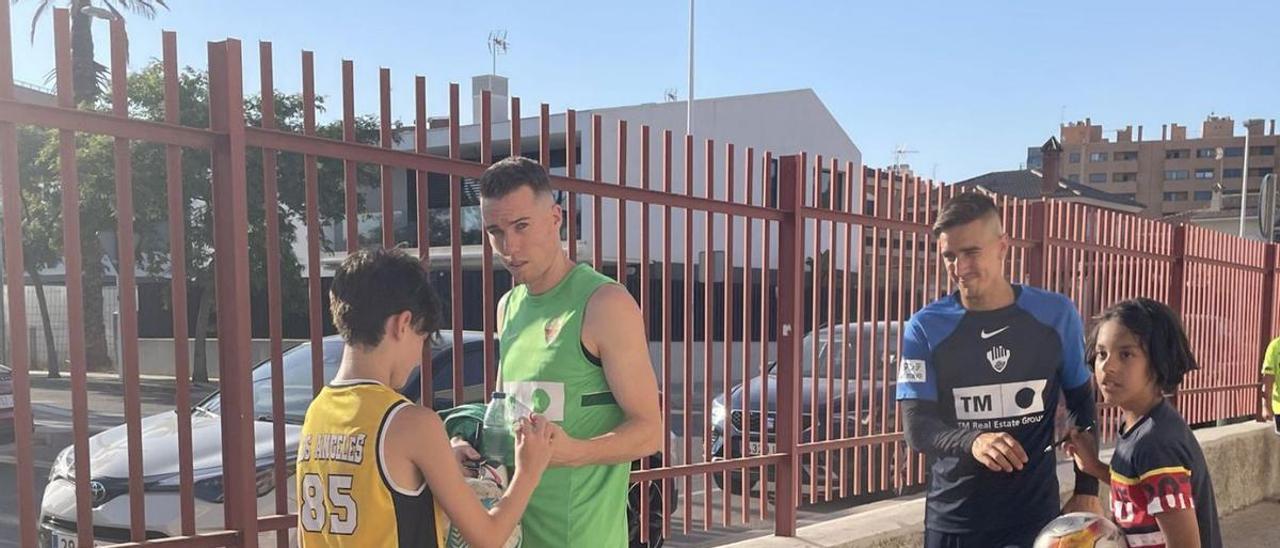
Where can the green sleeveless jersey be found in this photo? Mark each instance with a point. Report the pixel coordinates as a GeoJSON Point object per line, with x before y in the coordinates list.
{"type": "Point", "coordinates": [544, 365]}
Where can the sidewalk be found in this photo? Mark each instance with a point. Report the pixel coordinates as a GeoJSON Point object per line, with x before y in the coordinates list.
{"type": "Point", "coordinates": [1247, 492]}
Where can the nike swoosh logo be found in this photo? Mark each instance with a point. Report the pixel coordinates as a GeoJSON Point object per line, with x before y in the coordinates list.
{"type": "Point", "coordinates": [986, 335]}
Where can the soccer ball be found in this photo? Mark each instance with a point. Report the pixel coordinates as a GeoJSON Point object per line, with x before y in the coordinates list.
{"type": "Point", "coordinates": [1081, 530]}
{"type": "Point", "coordinates": [488, 487]}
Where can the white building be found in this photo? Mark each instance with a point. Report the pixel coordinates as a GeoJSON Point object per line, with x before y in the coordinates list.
{"type": "Point", "coordinates": [782, 123]}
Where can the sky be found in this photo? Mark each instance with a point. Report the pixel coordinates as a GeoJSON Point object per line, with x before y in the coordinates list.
{"type": "Point", "coordinates": [968, 85]}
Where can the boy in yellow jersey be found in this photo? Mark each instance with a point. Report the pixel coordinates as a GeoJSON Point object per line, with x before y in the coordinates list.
{"type": "Point", "coordinates": [375, 470]}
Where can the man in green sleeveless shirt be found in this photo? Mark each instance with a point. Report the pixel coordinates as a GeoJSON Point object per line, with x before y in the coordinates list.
{"type": "Point", "coordinates": [573, 349]}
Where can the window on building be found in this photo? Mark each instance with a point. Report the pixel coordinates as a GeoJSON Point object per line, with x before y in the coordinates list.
{"type": "Point", "coordinates": [1177, 153]}
{"type": "Point", "coordinates": [1263, 151]}
{"type": "Point", "coordinates": [1206, 153]}
{"type": "Point", "coordinates": [1097, 156]}
{"type": "Point", "coordinates": [1128, 195]}
{"type": "Point", "coordinates": [1175, 174]}
{"type": "Point", "coordinates": [1232, 172]}
{"type": "Point", "coordinates": [1233, 152]}
{"type": "Point", "coordinates": [1204, 195]}
{"type": "Point", "coordinates": [1124, 177]}
{"type": "Point", "coordinates": [1074, 157]}
{"type": "Point", "coordinates": [1175, 196]}
{"type": "Point", "coordinates": [1097, 177]}
{"type": "Point", "coordinates": [1261, 171]}
{"type": "Point", "coordinates": [1204, 173]}
{"type": "Point", "coordinates": [1125, 155]}
{"type": "Point", "coordinates": [1074, 177]}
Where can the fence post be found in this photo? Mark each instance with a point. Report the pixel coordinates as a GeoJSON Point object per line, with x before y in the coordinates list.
{"type": "Point", "coordinates": [1038, 232]}
{"type": "Point", "coordinates": [1177, 279]}
{"type": "Point", "coordinates": [791, 176]}
{"type": "Point", "coordinates": [1267, 323]}
{"type": "Point", "coordinates": [231, 279]}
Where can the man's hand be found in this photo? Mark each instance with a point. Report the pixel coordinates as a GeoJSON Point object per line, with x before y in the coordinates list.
{"type": "Point", "coordinates": [999, 452]}
{"type": "Point", "coordinates": [465, 453]}
{"type": "Point", "coordinates": [565, 451]}
{"type": "Point", "coordinates": [1083, 503]}
{"type": "Point", "coordinates": [1083, 448]}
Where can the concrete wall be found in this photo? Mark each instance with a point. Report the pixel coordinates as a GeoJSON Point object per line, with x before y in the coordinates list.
{"type": "Point", "coordinates": [1243, 459]}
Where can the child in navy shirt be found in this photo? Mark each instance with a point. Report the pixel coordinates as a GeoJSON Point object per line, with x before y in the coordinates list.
{"type": "Point", "coordinates": [1161, 493]}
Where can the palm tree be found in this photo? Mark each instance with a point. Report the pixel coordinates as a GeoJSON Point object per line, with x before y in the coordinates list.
{"type": "Point", "coordinates": [89, 77]}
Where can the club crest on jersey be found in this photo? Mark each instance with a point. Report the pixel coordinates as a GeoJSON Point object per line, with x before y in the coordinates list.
{"type": "Point", "coordinates": [551, 329]}
{"type": "Point", "coordinates": [998, 357]}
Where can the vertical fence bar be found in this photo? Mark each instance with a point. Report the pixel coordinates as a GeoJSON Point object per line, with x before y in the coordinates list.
{"type": "Point", "coordinates": [426, 373]}
{"type": "Point", "coordinates": [748, 313]}
{"type": "Point", "coordinates": [645, 307]}
{"type": "Point", "coordinates": [271, 213]}
{"type": "Point", "coordinates": [597, 167]}
{"type": "Point", "coordinates": [766, 165]}
{"type": "Point", "coordinates": [73, 264]}
{"type": "Point", "coordinates": [687, 400]}
{"type": "Point", "coordinates": [726, 322]}
{"type": "Point", "coordinates": [455, 245]}
{"type": "Point", "coordinates": [315, 299]}
{"type": "Point", "coordinates": [177, 287]}
{"type": "Point", "coordinates": [706, 270]}
{"type": "Point", "coordinates": [814, 309]}
{"type": "Point", "coordinates": [544, 138]}
{"type": "Point", "coordinates": [848, 249]}
{"type": "Point", "coordinates": [14, 272]}
{"type": "Point", "coordinates": [488, 306]}
{"type": "Point", "coordinates": [349, 179]}
{"type": "Point", "coordinates": [1178, 286]}
{"type": "Point", "coordinates": [621, 273]}
{"type": "Point", "coordinates": [514, 143]}
{"type": "Point", "coordinates": [831, 320]}
{"type": "Point", "coordinates": [667, 317]}
{"type": "Point", "coordinates": [388, 197]}
{"type": "Point", "coordinates": [791, 174]}
{"type": "Point", "coordinates": [126, 284]}
{"type": "Point", "coordinates": [231, 257]}
{"type": "Point", "coordinates": [571, 171]}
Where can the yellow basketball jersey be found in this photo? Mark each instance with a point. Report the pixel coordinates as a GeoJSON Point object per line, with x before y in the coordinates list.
{"type": "Point", "coordinates": [346, 498]}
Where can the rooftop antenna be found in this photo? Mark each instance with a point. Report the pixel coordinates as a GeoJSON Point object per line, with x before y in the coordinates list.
{"type": "Point", "coordinates": [498, 45]}
{"type": "Point", "coordinates": [671, 95]}
{"type": "Point", "coordinates": [898, 153]}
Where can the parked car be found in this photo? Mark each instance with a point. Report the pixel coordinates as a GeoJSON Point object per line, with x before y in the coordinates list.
{"type": "Point", "coordinates": [6, 405]}
{"type": "Point", "coordinates": [110, 465]}
{"type": "Point", "coordinates": [877, 378]}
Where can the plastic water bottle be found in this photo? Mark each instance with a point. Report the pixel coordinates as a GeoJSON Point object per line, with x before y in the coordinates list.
{"type": "Point", "coordinates": [497, 440]}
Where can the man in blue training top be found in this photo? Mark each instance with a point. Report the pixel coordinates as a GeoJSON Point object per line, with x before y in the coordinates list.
{"type": "Point", "coordinates": [979, 382]}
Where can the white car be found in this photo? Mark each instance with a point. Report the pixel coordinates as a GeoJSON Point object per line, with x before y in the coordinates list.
{"type": "Point", "coordinates": [110, 464]}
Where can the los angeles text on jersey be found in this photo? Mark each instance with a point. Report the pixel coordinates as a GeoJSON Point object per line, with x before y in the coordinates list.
{"type": "Point", "coordinates": [333, 447]}
{"type": "Point", "coordinates": [1000, 406]}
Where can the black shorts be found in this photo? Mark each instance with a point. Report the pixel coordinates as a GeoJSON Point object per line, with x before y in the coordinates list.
{"type": "Point", "coordinates": [1016, 537]}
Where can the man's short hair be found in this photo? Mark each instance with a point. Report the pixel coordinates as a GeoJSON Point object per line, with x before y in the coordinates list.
{"type": "Point", "coordinates": [964, 209]}
{"type": "Point", "coordinates": [372, 285]}
{"type": "Point", "coordinates": [510, 174]}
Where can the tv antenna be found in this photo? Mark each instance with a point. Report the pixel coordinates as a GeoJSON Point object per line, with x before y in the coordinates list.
{"type": "Point", "coordinates": [498, 45]}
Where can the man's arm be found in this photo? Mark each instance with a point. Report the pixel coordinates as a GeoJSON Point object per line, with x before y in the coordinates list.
{"type": "Point", "coordinates": [614, 329]}
{"type": "Point", "coordinates": [1077, 385]}
{"type": "Point", "coordinates": [926, 433]}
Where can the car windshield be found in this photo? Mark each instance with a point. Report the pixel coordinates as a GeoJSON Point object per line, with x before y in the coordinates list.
{"type": "Point", "coordinates": [833, 343]}
{"type": "Point", "coordinates": [297, 382]}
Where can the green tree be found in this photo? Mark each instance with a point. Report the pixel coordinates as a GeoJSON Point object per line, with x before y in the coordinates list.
{"type": "Point", "coordinates": [96, 169]}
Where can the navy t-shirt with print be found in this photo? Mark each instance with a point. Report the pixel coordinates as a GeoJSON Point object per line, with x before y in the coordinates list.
{"type": "Point", "coordinates": [1157, 467]}
{"type": "Point", "coordinates": [994, 371]}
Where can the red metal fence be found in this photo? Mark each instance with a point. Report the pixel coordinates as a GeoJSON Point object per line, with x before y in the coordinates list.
{"type": "Point", "coordinates": [811, 245]}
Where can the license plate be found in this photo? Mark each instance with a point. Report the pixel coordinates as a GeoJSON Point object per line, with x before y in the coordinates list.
{"type": "Point", "coordinates": [65, 540]}
{"type": "Point", "coordinates": [6, 401]}
{"type": "Point", "coordinates": [758, 448]}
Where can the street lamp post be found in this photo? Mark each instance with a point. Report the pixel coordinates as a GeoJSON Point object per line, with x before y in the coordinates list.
{"type": "Point", "coordinates": [1244, 182]}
